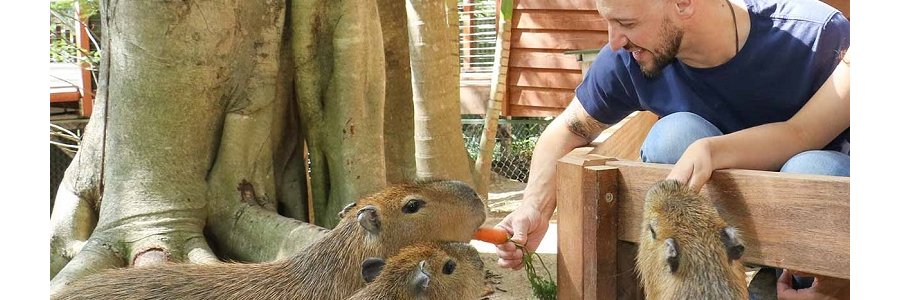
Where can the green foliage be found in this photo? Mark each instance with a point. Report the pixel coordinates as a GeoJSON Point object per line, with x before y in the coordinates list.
{"type": "Point", "coordinates": [67, 7]}
{"type": "Point", "coordinates": [523, 146]}
{"type": "Point", "coordinates": [542, 288]}
{"type": "Point", "coordinates": [62, 51]}
{"type": "Point", "coordinates": [62, 12]}
{"type": "Point", "coordinates": [506, 9]}
{"type": "Point", "coordinates": [515, 141]}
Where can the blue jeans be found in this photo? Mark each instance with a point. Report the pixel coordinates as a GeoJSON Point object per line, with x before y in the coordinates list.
{"type": "Point", "coordinates": [672, 134]}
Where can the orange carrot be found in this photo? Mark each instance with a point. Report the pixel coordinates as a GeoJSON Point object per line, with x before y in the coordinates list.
{"type": "Point", "coordinates": [491, 235]}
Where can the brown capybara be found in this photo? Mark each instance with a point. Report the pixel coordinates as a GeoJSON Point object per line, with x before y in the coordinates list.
{"type": "Point", "coordinates": [426, 270]}
{"type": "Point", "coordinates": [686, 250]}
{"type": "Point", "coordinates": [376, 226]}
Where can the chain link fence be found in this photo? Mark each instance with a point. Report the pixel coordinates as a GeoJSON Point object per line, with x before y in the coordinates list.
{"type": "Point", "coordinates": [514, 144]}
{"type": "Point", "coordinates": [64, 143]}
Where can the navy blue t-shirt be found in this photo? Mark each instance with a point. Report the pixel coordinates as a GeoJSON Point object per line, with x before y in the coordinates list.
{"type": "Point", "coordinates": [792, 48]}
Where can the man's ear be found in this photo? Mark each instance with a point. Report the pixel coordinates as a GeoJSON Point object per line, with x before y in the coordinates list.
{"type": "Point", "coordinates": [684, 8]}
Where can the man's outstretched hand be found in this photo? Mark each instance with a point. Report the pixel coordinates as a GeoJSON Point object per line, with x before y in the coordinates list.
{"type": "Point", "coordinates": [694, 167]}
{"type": "Point", "coordinates": [823, 287]}
{"type": "Point", "coordinates": [527, 227]}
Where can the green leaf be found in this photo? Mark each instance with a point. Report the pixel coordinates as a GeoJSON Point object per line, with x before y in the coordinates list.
{"type": "Point", "coordinates": [506, 8]}
{"type": "Point", "coordinates": [542, 288]}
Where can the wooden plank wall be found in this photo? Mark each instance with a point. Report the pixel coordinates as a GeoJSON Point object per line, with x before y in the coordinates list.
{"type": "Point", "coordinates": [541, 79]}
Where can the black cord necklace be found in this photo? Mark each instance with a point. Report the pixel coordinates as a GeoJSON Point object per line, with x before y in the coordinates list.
{"type": "Point", "coordinates": [734, 20]}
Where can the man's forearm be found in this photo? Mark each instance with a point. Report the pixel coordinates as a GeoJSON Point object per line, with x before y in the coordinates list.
{"type": "Point", "coordinates": [768, 146]}
{"type": "Point", "coordinates": [765, 147]}
{"type": "Point", "coordinates": [561, 136]}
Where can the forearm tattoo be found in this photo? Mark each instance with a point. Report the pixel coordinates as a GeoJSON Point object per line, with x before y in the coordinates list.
{"type": "Point", "coordinates": [588, 129]}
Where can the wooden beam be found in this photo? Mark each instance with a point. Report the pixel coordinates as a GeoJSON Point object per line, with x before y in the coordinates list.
{"type": "Point", "coordinates": [87, 91]}
{"type": "Point", "coordinates": [586, 261]}
{"type": "Point", "coordinates": [565, 40]}
{"type": "Point", "coordinates": [559, 20]}
{"type": "Point", "coordinates": [623, 140]}
{"type": "Point", "coordinates": [544, 78]}
{"type": "Point", "coordinates": [557, 4]}
{"type": "Point", "coordinates": [795, 221]}
{"type": "Point", "coordinates": [69, 96]}
{"type": "Point", "coordinates": [543, 59]}
{"type": "Point", "coordinates": [541, 97]}
{"type": "Point", "coordinates": [532, 111]}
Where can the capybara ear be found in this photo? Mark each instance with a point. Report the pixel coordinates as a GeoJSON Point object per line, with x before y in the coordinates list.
{"type": "Point", "coordinates": [672, 254]}
{"type": "Point", "coordinates": [733, 244]}
{"type": "Point", "coordinates": [346, 209]}
{"type": "Point", "coordinates": [368, 218]}
{"type": "Point", "coordinates": [371, 267]}
{"type": "Point", "coordinates": [421, 278]}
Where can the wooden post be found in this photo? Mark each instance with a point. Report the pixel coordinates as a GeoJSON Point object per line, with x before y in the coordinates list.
{"type": "Point", "coordinates": [624, 139]}
{"type": "Point", "coordinates": [83, 42]}
{"type": "Point", "coordinates": [586, 203]}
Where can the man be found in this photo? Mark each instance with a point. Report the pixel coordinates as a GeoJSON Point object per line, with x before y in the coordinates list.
{"type": "Point", "coordinates": [723, 75]}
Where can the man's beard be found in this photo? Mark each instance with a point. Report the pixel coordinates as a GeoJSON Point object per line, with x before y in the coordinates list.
{"type": "Point", "coordinates": [671, 41]}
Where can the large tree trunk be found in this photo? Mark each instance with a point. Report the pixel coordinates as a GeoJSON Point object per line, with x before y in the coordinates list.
{"type": "Point", "coordinates": [194, 150]}
{"type": "Point", "coordinates": [440, 152]}
{"type": "Point", "coordinates": [339, 64]}
{"type": "Point", "coordinates": [399, 146]}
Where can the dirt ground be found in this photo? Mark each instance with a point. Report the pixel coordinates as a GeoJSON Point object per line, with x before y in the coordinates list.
{"type": "Point", "coordinates": [505, 195]}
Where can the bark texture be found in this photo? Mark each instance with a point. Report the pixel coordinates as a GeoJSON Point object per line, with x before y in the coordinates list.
{"type": "Point", "coordinates": [399, 146]}
{"type": "Point", "coordinates": [440, 151]}
{"type": "Point", "coordinates": [195, 150]}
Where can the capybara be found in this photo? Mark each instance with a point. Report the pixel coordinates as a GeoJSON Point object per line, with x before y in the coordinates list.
{"type": "Point", "coordinates": [687, 251]}
{"type": "Point", "coordinates": [426, 270]}
{"type": "Point", "coordinates": [376, 226]}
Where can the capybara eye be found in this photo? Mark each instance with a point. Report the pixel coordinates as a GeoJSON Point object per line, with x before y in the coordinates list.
{"type": "Point", "coordinates": [652, 232]}
{"type": "Point", "coordinates": [449, 267]}
{"type": "Point", "coordinates": [413, 206]}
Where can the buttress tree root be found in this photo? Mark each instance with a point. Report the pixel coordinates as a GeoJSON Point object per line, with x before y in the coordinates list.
{"type": "Point", "coordinates": [194, 152]}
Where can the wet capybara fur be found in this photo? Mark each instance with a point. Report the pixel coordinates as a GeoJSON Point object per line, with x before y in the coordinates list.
{"type": "Point", "coordinates": [375, 226]}
{"type": "Point", "coordinates": [428, 270]}
{"type": "Point", "coordinates": [686, 250]}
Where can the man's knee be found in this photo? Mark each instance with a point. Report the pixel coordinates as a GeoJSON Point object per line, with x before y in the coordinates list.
{"type": "Point", "coordinates": [818, 162]}
{"type": "Point", "coordinates": [672, 134]}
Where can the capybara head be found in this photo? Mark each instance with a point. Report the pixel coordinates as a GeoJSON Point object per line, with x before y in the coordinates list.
{"type": "Point", "coordinates": [425, 271]}
{"type": "Point", "coordinates": [433, 210]}
{"type": "Point", "coordinates": [687, 251]}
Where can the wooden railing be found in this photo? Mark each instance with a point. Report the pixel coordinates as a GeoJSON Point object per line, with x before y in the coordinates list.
{"type": "Point", "coordinates": [794, 221]}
